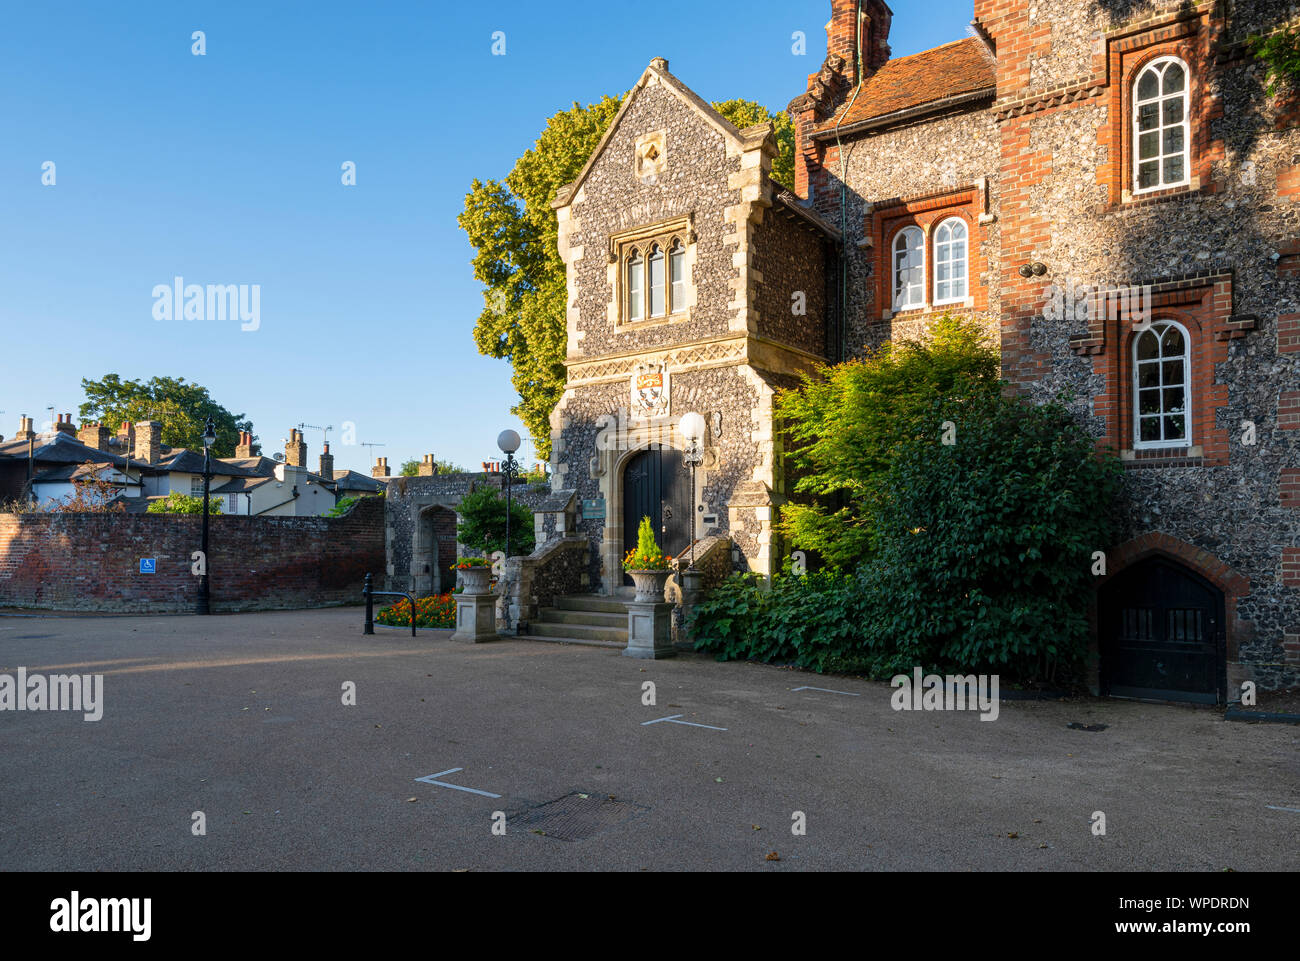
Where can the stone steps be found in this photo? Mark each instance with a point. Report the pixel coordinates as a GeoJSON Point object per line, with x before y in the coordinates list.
{"type": "Point", "coordinates": [580, 632]}
{"type": "Point", "coordinates": [591, 603]}
{"type": "Point", "coordinates": [585, 618]}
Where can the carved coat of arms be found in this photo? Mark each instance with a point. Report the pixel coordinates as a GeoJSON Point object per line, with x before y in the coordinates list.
{"type": "Point", "coordinates": [650, 389]}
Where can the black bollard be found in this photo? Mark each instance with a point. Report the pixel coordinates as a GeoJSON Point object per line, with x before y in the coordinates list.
{"type": "Point", "coordinates": [368, 593]}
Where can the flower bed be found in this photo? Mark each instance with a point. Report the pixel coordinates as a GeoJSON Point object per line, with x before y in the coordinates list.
{"type": "Point", "coordinates": [436, 611]}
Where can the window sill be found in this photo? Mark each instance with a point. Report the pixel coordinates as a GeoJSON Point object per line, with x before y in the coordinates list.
{"type": "Point", "coordinates": [630, 325]}
{"type": "Point", "coordinates": [1129, 200]}
{"type": "Point", "coordinates": [913, 313]}
{"type": "Point", "coordinates": [1193, 456]}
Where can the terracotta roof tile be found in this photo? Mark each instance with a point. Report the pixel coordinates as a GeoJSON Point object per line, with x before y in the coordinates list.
{"type": "Point", "coordinates": [962, 66]}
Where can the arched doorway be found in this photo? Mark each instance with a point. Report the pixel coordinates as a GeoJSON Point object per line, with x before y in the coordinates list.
{"type": "Point", "coordinates": [1161, 634]}
{"type": "Point", "coordinates": [434, 557]}
{"type": "Point", "coordinates": [658, 486]}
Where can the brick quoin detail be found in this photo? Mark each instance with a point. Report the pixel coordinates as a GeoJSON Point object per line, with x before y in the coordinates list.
{"type": "Point", "coordinates": [1288, 333]}
{"type": "Point", "coordinates": [1291, 566]}
{"type": "Point", "coordinates": [1289, 488]}
{"type": "Point", "coordinates": [1288, 410]}
{"type": "Point", "coordinates": [91, 561]}
{"type": "Point", "coordinates": [1291, 646]}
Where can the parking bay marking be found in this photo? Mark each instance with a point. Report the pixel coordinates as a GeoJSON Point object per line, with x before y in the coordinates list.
{"type": "Point", "coordinates": [431, 779]}
{"type": "Point", "coordinates": [825, 691]}
{"type": "Point", "coordinates": [1273, 807]}
{"type": "Point", "coordinates": [672, 719]}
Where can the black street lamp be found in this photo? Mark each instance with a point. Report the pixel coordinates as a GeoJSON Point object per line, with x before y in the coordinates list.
{"type": "Point", "coordinates": [508, 442]}
{"type": "Point", "coordinates": [209, 438]}
{"type": "Point", "coordinates": [692, 428]}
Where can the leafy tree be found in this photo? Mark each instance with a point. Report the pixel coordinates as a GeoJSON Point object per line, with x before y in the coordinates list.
{"type": "Point", "coordinates": [178, 503]}
{"type": "Point", "coordinates": [96, 495]}
{"type": "Point", "coordinates": [182, 408]}
{"type": "Point", "coordinates": [483, 523]}
{"type": "Point", "coordinates": [844, 424]}
{"type": "Point", "coordinates": [514, 232]}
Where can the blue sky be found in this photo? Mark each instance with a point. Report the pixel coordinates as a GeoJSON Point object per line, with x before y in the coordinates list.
{"type": "Point", "coordinates": [225, 169]}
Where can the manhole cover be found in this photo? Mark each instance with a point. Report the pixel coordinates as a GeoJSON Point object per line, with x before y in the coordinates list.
{"type": "Point", "coordinates": [573, 817]}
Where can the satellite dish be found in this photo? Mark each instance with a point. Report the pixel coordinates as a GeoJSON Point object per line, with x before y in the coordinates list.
{"type": "Point", "coordinates": [278, 456]}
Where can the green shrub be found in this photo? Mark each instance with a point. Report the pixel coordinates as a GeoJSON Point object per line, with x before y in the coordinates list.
{"type": "Point", "coordinates": [844, 425]}
{"type": "Point", "coordinates": [178, 503]}
{"type": "Point", "coordinates": [984, 558]}
{"type": "Point", "coordinates": [812, 620]}
{"type": "Point", "coordinates": [483, 523]}
{"type": "Point", "coordinates": [342, 507]}
{"type": "Point", "coordinates": [987, 543]}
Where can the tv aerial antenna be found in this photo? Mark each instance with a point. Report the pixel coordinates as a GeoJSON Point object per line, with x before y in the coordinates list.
{"type": "Point", "coordinates": [325, 431]}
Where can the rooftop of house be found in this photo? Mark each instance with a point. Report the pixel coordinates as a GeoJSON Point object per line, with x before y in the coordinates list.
{"type": "Point", "coordinates": [62, 448]}
{"type": "Point", "coordinates": [350, 480]}
{"type": "Point", "coordinates": [79, 471]}
{"type": "Point", "coordinates": [240, 485]}
{"type": "Point", "coordinates": [921, 80]}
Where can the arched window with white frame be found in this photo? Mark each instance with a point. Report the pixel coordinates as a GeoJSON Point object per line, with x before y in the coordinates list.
{"type": "Point", "coordinates": [950, 258]}
{"type": "Point", "coordinates": [909, 269]}
{"type": "Point", "coordinates": [1161, 129]}
{"type": "Point", "coordinates": [1162, 384]}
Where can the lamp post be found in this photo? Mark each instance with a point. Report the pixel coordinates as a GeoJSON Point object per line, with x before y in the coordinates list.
{"type": "Point", "coordinates": [508, 442]}
{"type": "Point", "coordinates": [693, 428]}
{"type": "Point", "coordinates": [209, 438]}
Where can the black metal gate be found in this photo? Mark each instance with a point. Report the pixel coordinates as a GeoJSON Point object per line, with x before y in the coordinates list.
{"type": "Point", "coordinates": [656, 485]}
{"type": "Point", "coordinates": [1161, 635]}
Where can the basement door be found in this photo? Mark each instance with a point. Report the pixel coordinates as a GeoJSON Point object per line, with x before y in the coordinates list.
{"type": "Point", "coordinates": [656, 485]}
{"type": "Point", "coordinates": [1161, 635]}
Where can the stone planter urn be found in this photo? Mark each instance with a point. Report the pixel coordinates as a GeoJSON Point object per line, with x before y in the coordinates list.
{"type": "Point", "coordinates": [650, 585]}
{"type": "Point", "coordinates": [649, 617]}
{"type": "Point", "coordinates": [476, 606]}
{"type": "Point", "coordinates": [475, 581]}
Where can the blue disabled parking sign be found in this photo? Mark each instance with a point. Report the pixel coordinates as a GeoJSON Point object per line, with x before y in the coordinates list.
{"type": "Point", "coordinates": [148, 565]}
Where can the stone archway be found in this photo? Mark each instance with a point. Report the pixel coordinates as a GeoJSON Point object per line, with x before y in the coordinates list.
{"type": "Point", "coordinates": [433, 551]}
{"type": "Point", "coordinates": [610, 466]}
{"type": "Point", "coordinates": [1131, 573]}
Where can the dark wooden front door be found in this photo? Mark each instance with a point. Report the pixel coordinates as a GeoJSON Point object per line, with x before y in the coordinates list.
{"type": "Point", "coordinates": [655, 485]}
{"type": "Point", "coordinates": [1162, 635]}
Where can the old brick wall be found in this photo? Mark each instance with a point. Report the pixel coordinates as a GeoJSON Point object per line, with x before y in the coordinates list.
{"type": "Point", "coordinates": [90, 562]}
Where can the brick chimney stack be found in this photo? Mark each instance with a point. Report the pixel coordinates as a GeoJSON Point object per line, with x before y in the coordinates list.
{"type": "Point", "coordinates": [94, 435]}
{"type": "Point", "coordinates": [295, 449]}
{"type": "Point", "coordinates": [427, 466]}
{"type": "Point", "coordinates": [64, 426]}
{"type": "Point", "coordinates": [25, 431]}
{"type": "Point", "coordinates": [148, 447]}
{"type": "Point", "coordinates": [245, 446]}
{"type": "Point", "coordinates": [381, 468]}
{"type": "Point", "coordinates": [126, 438]}
{"type": "Point", "coordinates": [327, 463]}
{"type": "Point", "coordinates": [831, 87]}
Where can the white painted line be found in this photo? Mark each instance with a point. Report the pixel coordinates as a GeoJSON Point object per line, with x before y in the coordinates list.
{"type": "Point", "coordinates": [672, 719]}
{"type": "Point", "coordinates": [657, 720]}
{"type": "Point", "coordinates": [693, 724]}
{"type": "Point", "coordinates": [825, 691]}
{"type": "Point", "coordinates": [430, 779]}
{"type": "Point", "coordinates": [1272, 807]}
